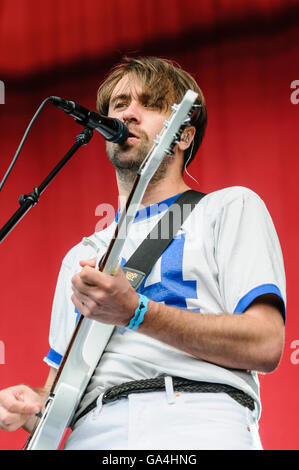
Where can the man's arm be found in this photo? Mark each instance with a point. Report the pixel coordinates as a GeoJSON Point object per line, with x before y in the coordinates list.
{"type": "Point", "coordinates": [252, 340]}
{"type": "Point", "coordinates": [20, 403]}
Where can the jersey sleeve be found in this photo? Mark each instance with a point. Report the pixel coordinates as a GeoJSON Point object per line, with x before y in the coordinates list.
{"type": "Point", "coordinates": [63, 319]}
{"type": "Point", "coordinates": [248, 252]}
{"type": "Point", "coordinates": [64, 315]}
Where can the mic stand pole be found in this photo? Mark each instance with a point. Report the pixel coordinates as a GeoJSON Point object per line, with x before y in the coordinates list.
{"type": "Point", "coordinates": [28, 201]}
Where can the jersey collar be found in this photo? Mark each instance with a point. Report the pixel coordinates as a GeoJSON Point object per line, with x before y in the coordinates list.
{"type": "Point", "coordinates": [152, 210]}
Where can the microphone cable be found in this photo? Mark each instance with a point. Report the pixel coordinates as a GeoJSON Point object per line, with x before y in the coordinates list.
{"type": "Point", "coordinates": [22, 142]}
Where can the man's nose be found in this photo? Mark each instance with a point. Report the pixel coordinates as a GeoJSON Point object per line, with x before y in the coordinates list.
{"type": "Point", "coordinates": [132, 113]}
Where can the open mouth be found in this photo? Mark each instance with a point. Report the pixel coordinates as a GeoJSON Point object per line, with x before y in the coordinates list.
{"type": "Point", "coordinates": [133, 136]}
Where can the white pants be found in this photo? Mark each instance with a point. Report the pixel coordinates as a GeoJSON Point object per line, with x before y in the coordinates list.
{"type": "Point", "coordinates": [196, 421]}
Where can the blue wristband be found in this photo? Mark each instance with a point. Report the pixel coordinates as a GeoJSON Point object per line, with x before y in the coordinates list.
{"type": "Point", "coordinates": [139, 313]}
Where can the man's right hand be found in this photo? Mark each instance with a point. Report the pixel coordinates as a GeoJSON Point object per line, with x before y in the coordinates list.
{"type": "Point", "coordinates": [18, 405]}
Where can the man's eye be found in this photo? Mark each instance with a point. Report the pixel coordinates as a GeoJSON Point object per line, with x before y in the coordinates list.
{"type": "Point", "coordinates": [151, 105]}
{"type": "Point", "coordinates": [119, 105]}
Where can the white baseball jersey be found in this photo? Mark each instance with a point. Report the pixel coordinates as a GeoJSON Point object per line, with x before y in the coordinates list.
{"type": "Point", "coordinates": [226, 255]}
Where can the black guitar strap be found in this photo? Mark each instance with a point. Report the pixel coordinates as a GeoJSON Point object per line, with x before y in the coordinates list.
{"type": "Point", "coordinates": [150, 250]}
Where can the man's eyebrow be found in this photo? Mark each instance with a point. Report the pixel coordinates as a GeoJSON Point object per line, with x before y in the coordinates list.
{"type": "Point", "coordinates": [144, 98]}
{"type": "Point", "coordinates": [121, 96]}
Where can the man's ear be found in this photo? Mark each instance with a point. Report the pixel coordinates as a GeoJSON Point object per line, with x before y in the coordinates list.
{"type": "Point", "coordinates": [186, 138]}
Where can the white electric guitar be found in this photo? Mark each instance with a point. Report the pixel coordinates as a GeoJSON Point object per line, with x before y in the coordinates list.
{"type": "Point", "coordinates": [90, 337]}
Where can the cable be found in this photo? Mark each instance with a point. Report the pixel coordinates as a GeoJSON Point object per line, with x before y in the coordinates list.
{"type": "Point", "coordinates": [185, 167]}
{"type": "Point", "coordinates": [22, 142]}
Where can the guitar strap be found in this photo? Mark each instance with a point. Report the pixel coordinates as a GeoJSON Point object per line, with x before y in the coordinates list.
{"type": "Point", "coordinates": [150, 250]}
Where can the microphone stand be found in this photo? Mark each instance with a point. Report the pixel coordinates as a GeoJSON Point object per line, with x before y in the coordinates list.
{"type": "Point", "coordinates": [28, 201]}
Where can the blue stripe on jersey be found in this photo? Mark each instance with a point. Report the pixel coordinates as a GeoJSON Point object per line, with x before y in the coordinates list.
{"type": "Point", "coordinates": [248, 298]}
{"type": "Point", "coordinates": [78, 314]}
{"type": "Point", "coordinates": [54, 356]}
{"type": "Point", "coordinates": [152, 210]}
{"type": "Point", "coordinates": [172, 289]}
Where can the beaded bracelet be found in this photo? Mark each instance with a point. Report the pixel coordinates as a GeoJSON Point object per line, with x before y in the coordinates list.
{"type": "Point", "coordinates": [139, 313]}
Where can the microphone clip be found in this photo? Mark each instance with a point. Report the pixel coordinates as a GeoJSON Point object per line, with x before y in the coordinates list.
{"type": "Point", "coordinates": [33, 197]}
{"type": "Point", "coordinates": [84, 137]}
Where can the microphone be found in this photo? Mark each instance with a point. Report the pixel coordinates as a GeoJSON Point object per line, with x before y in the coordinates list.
{"type": "Point", "coordinates": [111, 129]}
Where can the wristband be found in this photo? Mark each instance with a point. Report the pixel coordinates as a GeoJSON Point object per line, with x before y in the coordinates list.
{"type": "Point", "coordinates": [139, 313]}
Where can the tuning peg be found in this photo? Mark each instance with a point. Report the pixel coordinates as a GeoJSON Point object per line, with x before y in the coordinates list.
{"type": "Point", "coordinates": [187, 121]}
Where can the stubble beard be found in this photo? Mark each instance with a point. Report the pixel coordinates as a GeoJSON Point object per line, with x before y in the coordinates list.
{"type": "Point", "coordinates": [127, 159]}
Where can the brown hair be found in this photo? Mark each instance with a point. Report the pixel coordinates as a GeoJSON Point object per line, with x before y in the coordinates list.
{"type": "Point", "coordinates": [165, 82]}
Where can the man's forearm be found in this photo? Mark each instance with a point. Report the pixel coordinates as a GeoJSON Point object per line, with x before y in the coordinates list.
{"type": "Point", "coordinates": [252, 340]}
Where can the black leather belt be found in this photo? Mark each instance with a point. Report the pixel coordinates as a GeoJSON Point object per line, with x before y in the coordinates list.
{"type": "Point", "coordinates": [179, 385]}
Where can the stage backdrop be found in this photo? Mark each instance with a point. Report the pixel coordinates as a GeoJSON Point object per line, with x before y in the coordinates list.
{"type": "Point", "coordinates": [244, 56]}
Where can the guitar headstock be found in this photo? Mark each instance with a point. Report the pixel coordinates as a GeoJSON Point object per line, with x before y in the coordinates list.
{"type": "Point", "coordinates": [178, 121]}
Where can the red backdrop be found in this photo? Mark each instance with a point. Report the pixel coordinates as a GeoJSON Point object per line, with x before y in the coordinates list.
{"type": "Point", "coordinates": [245, 57]}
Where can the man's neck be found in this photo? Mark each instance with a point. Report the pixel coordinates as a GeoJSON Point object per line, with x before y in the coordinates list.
{"type": "Point", "coordinates": [154, 193]}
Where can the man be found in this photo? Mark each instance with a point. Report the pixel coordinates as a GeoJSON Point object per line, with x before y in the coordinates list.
{"type": "Point", "coordinates": [213, 305]}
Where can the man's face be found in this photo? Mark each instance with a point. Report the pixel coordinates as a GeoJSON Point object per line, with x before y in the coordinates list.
{"type": "Point", "coordinates": [144, 119]}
